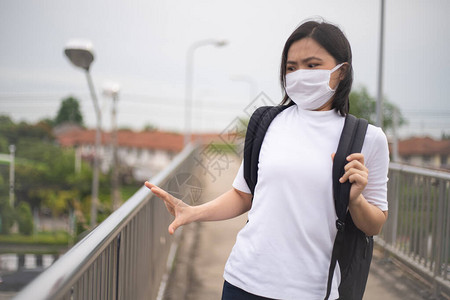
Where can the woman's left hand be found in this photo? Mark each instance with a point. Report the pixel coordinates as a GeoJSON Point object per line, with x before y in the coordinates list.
{"type": "Point", "coordinates": [367, 217]}
{"type": "Point", "coordinates": [357, 173]}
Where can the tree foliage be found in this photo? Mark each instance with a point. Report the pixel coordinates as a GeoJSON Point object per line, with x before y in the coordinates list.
{"type": "Point", "coordinates": [6, 212]}
{"type": "Point", "coordinates": [150, 127]}
{"type": "Point", "coordinates": [69, 112]}
{"type": "Point", "coordinates": [45, 176]}
{"type": "Point", "coordinates": [25, 218]}
{"type": "Point", "coordinates": [364, 106]}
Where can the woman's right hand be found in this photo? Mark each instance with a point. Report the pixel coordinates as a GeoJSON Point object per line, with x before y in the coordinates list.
{"type": "Point", "coordinates": [181, 211]}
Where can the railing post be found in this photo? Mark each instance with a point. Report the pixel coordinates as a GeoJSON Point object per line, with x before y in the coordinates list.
{"type": "Point", "coordinates": [392, 222]}
{"type": "Point", "coordinates": [439, 237]}
{"type": "Point", "coordinates": [116, 269]}
{"type": "Point", "coordinates": [396, 207]}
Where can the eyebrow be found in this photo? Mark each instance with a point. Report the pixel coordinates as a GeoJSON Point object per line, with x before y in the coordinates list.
{"type": "Point", "coordinates": [304, 60]}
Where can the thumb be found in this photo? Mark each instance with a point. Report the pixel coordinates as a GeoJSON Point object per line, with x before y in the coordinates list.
{"type": "Point", "coordinates": [332, 156]}
{"type": "Point", "coordinates": [173, 227]}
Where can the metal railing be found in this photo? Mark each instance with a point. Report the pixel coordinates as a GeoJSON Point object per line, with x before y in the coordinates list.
{"type": "Point", "coordinates": [125, 257]}
{"type": "Point", "coordinates": [417, 231]}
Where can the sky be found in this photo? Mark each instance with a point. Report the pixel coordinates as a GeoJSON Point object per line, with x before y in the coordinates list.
{"type": "Point", "coordinates": [142, 46]}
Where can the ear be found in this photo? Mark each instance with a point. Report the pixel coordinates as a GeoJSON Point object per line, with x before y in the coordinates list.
{"type": "Point", "coordinates": [343, 71]}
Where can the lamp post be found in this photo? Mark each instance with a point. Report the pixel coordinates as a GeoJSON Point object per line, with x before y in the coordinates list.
{"type": "Point", "coordinates": [112, 90]}
{"type": "Point", "coordinates": [81, 55]}
{"type": "Point", "coordinates": [189, 80]}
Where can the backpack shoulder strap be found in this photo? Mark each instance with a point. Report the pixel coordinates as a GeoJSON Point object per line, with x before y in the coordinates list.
{"type": "Point", "coordinates": [351, 141]}
{"type": "Point", "coordinates": [256, 130]}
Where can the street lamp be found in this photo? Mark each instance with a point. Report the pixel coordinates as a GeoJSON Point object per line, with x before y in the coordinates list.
{"type": "Point", "coordinates": [112, 90]}
{"type": "Point", "coordinates": [80, 54]}
{"type": "Point", "coordinates": [189, 80]}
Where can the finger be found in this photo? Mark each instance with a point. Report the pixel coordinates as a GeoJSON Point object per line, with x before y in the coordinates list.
{"type": "Point", "coordinates": [149, 185]}
{"type": "Point", "coordinates": [332, 156]}
{"type": "Point", "coordinates": [160, 193]}
{"type": "Point", "coordinates": [355, 164]}
{"type": "Point", "coordinates": [358, 178]}
{"type": "Point", "coordinates": [173, 227]}
{"type": "Point", "coordinates": [351, 172]}
{"type": "Point", "coordinates": [356, 156]}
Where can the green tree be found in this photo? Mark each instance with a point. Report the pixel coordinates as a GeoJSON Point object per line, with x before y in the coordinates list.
{"type": "Point", "coordinates": [69, 111]}
{"type": "Point", "coordinates": [6, 213]}
{"type": "Point", "coordinates": [150, 127]}
{"type": "Point", "coordinates": [12, 132]}
{"type": "Point", "coordinates": [45, 175]}
{"type": "Point", "coordinates": [44, 172]}
{"type": "Point", "coordinates": [364, 106]}
{"type": "Point", "coordinates": [24, 218]}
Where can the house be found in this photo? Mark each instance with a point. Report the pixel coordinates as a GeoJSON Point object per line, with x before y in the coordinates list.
{"type": "Point", "coordinates": [145, 153]}
{"type": "Point", "coordinates": [425, 152]}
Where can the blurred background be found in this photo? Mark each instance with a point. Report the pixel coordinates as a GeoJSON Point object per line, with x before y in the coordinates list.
{"type": "Point", "coordinates": [142, 45]}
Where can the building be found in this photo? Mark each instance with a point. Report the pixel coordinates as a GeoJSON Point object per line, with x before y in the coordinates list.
{"type": "Point", "coordinates": [145, 153]}
{"type": "Point", "coordinates": [425, 152]}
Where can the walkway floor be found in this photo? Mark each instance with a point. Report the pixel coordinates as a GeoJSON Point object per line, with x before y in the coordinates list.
{"type": "Point", "coordinates": [205, 247]}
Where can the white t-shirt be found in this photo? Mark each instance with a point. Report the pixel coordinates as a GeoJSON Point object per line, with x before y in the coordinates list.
{"type": "Point", "coordinates": [284, 251]}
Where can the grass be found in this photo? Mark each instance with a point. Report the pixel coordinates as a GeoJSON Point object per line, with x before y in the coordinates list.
{"type": "Point", "coordinates": [127, 191]}
{"type": "Point", "coordinates": [40, 238]}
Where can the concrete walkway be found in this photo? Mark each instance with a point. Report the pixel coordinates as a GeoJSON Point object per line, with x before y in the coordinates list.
{"type": "Point", "coordinates": [205, 247]}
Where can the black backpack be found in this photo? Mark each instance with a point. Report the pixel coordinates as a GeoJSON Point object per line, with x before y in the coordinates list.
{"type": "Point", "coordinates": [352, 248]}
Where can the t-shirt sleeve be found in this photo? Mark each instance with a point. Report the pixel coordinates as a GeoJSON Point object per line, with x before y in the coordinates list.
{"type": "Point", "coordinates": [376, 153]}
{"type": "Point", "coordinates": [239, 182]}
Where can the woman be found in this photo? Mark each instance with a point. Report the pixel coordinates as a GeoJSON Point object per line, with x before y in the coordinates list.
{"type": "Point", "coordinates": [284, 250]}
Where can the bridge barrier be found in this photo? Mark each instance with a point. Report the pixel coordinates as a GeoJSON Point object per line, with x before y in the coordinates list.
{"type": "Point", "coordinates": [417, 231]}
{"type": "Point", "coordinates": [125, 257]}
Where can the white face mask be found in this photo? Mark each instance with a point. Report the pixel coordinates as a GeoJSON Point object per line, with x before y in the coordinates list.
{"type": "Point", "coordinates": [310, 89]}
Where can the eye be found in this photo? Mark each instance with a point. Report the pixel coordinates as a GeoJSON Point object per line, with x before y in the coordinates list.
{"type": "Point", "coordinates": [290, 69]}
{"type": "Point", "coordinates": [312, 66]}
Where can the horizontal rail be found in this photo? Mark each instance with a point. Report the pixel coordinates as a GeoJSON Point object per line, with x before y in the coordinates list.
{"type": "Point", "coordinates": [419, 171]}
{"type": "Point", "coordinates": [122, 258]}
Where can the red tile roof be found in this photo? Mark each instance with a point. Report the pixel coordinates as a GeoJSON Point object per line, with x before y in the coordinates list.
{"type": "Point", "coordinates": [126, 138]}
{"type": "Point", "coordinates": [174, 141]}
{"type": "Point", "coordinates": [423, 146]}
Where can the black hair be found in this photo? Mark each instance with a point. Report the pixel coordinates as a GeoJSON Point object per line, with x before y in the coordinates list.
{"type": "Point", "coordinates": [333, 40]}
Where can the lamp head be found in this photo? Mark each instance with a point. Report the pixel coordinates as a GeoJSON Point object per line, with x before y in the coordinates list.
{"type": "Point", "coordinates": [80, 53]}
{"type": "Point", "coordinates": [111, 89]}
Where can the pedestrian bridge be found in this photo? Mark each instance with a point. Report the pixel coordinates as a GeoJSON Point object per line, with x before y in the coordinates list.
{"type": "Point", "coordinates": [131, 255]}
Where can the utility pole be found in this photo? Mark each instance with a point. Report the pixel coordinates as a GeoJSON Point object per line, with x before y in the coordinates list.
{"type": "Point", "coordinates": [112, 89]}
{"type": "Point", "coordinates": [380, 70]}
{"type": "Point", "coordinates": [115, 164]}
{"type": "Point", "coordinates": [12, 151]}
{"type": "Point", "coordinates": [395, 122]}
{"type": "Point", "coordinates": [77, 159]}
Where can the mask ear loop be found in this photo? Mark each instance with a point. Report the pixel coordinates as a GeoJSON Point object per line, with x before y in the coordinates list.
{"type": "Point", "coordinates": [334, 69]}
{"type": "Point", "coordinates": [331, 72]}
{"type": "Point", "coordinates": [337, 67]}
